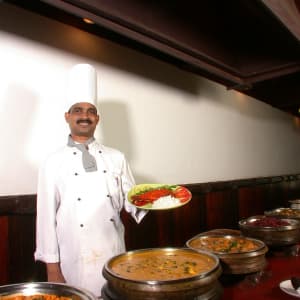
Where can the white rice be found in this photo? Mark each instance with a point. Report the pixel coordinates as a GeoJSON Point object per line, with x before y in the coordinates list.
{"type": "Point", "coordinates": [165, 202]}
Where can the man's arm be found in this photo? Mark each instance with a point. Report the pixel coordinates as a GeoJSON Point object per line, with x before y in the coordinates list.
{"type": "Point", "coordinates": [54, 273]}
{"type": "Point", "coordinates": [47, 249]}
{"type": "Point", "coordinates": [127, 182]}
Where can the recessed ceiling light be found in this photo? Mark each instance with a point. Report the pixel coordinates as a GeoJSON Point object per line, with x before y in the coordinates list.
{"type": "Point", "coordinates": [88, 21]}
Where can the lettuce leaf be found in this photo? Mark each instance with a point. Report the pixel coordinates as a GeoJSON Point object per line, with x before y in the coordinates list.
{"type": "Point", "coordinates": [145, 187]}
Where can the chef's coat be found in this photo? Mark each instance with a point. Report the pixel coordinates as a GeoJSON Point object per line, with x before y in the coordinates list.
{"type": "Point", "coordinates": [78, 213]}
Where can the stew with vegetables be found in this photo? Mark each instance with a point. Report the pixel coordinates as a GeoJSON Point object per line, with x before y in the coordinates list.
{"type": "Point", "coordinates": [223, 244]}
{"type": "Point", "coordinates": [35, 297]}
{"type": "Point", "coordinates": [160, 266]}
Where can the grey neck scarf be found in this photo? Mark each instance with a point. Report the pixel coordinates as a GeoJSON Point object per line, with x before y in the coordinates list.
{"type": "Point", "coordinates": [88, 160]}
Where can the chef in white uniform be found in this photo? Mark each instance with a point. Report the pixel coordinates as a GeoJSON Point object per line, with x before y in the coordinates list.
{"type": "Point", "coordinates": [82, 188]}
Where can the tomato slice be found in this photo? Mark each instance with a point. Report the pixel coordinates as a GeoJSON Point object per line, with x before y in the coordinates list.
{"type": "Point", "coordinates": [140, 202]}
{"type": "Point", "coordinates": [182, 193]}
{"type": "Point", "coordinates": [150, 196]}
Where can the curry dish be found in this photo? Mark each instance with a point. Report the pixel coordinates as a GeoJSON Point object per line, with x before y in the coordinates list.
{"type": "Point", "coordinates": [159, 266]}
{"type": "Point", "coordinates": [221, 244]}
{"type": "Point", "coordinates": [35, 297]}
{"type": "Point", "coordinates": [285, 212]}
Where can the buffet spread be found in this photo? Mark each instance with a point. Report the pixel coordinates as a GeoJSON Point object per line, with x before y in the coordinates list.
{"type": "Point", "coordinates": [261, 258]}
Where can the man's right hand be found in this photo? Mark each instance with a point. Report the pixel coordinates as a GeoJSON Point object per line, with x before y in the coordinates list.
{"type": "Point", "coordinates": [54, 273]}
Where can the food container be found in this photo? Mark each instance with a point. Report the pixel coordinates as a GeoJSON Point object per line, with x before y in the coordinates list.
{"type": "Point", "coordinates": [163, 273]}
{"type": "Point", "coordinates": [284, 212]}
{"type": "Point", "coordinates": [295, 204]}
{"type": "Point", "coordinates": [237, 254]}
{"type": "Point", "coordinates": [272, 231]}
{"type": "Point", "coordinates": [8, 292]}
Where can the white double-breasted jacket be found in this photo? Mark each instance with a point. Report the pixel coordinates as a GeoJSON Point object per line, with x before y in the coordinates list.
{"type": "Point", "coordinates": [78, 213]}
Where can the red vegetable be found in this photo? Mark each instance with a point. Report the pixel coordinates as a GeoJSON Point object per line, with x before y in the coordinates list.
{"type": "Point", "coordinates": [270, 222]}
{"type": "Point", "coordinates": [150, 196]}
{"type": "Point", "coordinates": [182, 194]}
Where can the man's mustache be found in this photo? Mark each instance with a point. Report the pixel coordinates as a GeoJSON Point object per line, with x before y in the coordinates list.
{"type": "Point", "coordinates": [84, 121]}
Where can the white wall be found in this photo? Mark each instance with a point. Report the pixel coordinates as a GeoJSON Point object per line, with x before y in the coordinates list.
{"type": "Point", "coordinates": [174, 127]}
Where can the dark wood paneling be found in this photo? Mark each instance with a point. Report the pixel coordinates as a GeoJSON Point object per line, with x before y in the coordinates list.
{"type": "Point", "coordinates": [189, 220]}
{"type": "Point", "coordinates": [221, 209]}
{"type": "Point", "coordinates": [168, 227]}
{"type": "Point", "coordinates": [252, 200]}
{"type": "Point", "coordinates": [3, 250]}
{"type": "Point", "coordinates": [19, 204]}
{"type": "Point", "coordinates": [17, 240]}
{"type": "Point", "coordinates": [22, 267]}
{"type": "Point", "coordinates": [292, 187]}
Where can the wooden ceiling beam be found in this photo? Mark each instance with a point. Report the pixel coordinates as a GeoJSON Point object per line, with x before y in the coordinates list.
{"type": "Point", "coordinates": [288, 12]}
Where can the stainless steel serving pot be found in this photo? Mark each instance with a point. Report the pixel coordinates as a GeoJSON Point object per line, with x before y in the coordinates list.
{"type": "Point", "coordinates": [204, 285]}
{"type": "Point", "coordinates": [295, 204]}
{"type": "Point", "coordinates": [40, 288]}
{"type": "Point", "coordinates": [272, 236]}
{"type": "Point", "coordinates": [234, 263]}
{"type": "Point", "coordinates": [284, 212]}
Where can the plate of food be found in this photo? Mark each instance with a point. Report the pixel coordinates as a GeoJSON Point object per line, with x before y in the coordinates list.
{"type": "Point", "coordinates": [155, 196]}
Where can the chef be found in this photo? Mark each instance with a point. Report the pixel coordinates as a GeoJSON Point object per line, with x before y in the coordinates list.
{"type": "Point", "coordinates": [82, 188]}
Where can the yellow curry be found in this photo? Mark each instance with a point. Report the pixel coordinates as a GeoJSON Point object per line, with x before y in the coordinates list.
{"type": "Point", "coordinates": [220, 244]}
{"type": "Point", "coordinates": [34, 297]}
{"type": "Point", "coordinates": [160, 266]}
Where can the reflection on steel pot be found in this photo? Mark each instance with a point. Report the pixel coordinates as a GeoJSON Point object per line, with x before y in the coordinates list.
{"type": "Point", "coordinates": [164, 273]}
{"type": "Point", "coordinates": [43, 288]}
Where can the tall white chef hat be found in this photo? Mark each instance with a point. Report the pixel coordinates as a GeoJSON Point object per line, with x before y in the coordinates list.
{"type": "Point", "coordinates": [82, 85]}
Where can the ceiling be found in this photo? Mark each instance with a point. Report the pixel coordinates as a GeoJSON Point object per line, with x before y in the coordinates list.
{"type": "Point", "coordinates": [252, 46]}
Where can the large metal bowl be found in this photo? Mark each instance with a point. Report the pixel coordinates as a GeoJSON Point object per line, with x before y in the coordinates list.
{"type": "Point", "coordinates": [40, 288]}
{"type": "Point", "coordinates": [271, 235]}
{"type": "Point", "coordinates": [203, 284]}
{"type": "Point", "coordinates": [234, 263]}
{"type": "Point", "coordinates": [295, 204]}
{"type": "Point", "coordinates": [284, 212]}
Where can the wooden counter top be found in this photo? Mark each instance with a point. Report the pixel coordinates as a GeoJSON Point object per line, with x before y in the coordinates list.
{"type": "Point", "coordinates": [281, 266]}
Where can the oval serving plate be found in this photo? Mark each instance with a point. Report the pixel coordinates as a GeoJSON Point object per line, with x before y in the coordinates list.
{"type": "Point", "coordinates": [155, 196]}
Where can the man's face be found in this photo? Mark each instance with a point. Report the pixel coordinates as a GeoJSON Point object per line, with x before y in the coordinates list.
{"type": "Point", "coordinates": [82, 119]}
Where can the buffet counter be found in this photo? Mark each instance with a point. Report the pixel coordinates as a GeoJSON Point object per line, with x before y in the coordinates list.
{"type": "Point", "coordinates": [280, 266]}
